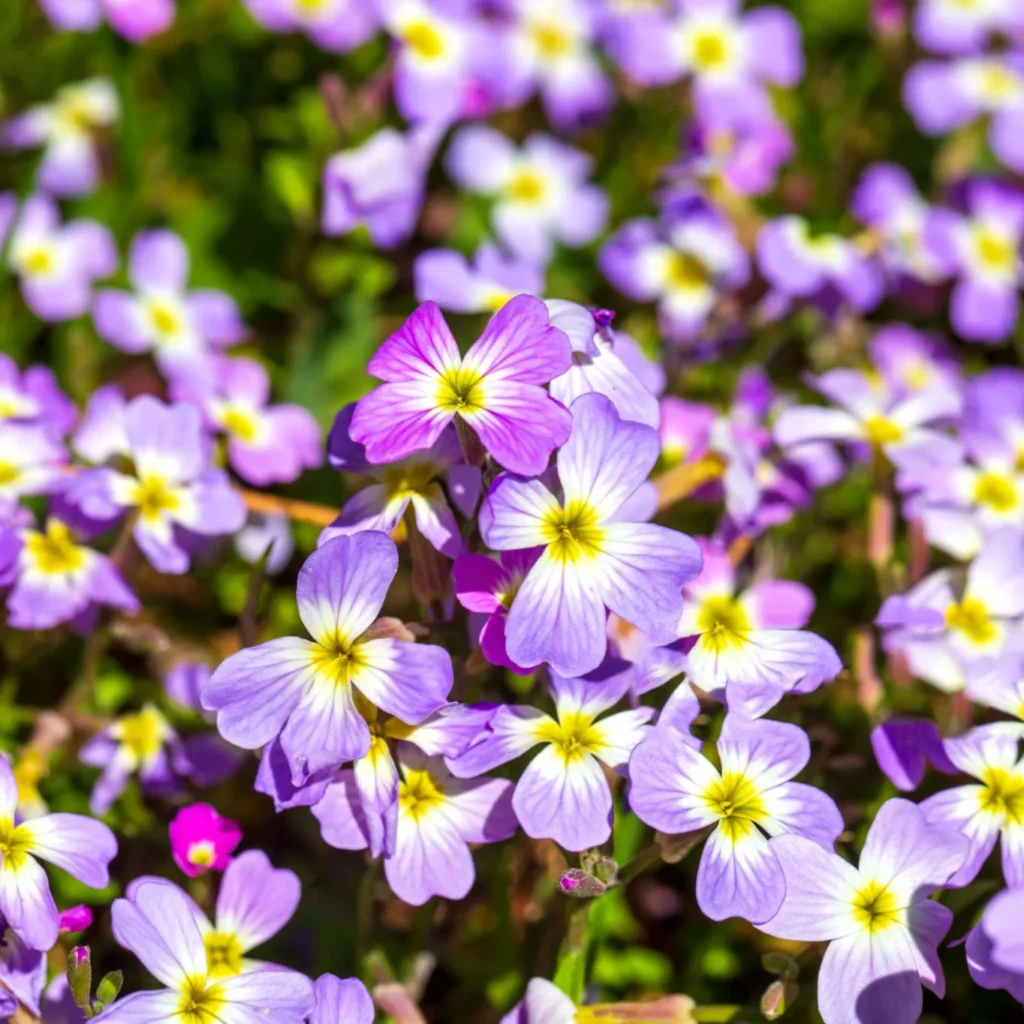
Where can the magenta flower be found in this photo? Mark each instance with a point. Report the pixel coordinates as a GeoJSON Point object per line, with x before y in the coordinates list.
{"type": "Point", "coordinates": [306, 692]}
{"type": "Point", "coordinates": [438, 817]}
{"type": "Point", "coordinates": [158, 924]}
{"type": "Point", "coordinates": [882, 927]}
{"type": "Point", "coordinates": [79, 845]}
{"type": "Point", "coordinates": [66, 128]}
{"type": "Point", "coordinates": [201, 840]}
{"type": "Point", "coordinates": [675, 789]}
{"type": "Point", "coordinates": [136, 20]}
{"type": "Point", "coordinates": [334, 25]}
{"type": "Point", "coordinates": [56, 263]}
{"type": "Point", "coordinates": [563, 793]}
{"type": "Point", "coordinates": [994, 954]}
{"type": "Point", "coordinates": [74, 919]}
{"type": "Point", "coordinates": [594, 557]}
{"type": "Point", "coordinates": [176, 492]}
{"type": "Point", "coordinates": [341, 999]}
{"type": "Point", "coordinates": [495, 389]}
{"type": "Point", "coordinates": [267, 444]}
{"type": "Point", "coordinates": [179, 327]}
{"type": "Point", "coordinates": [446, 277]}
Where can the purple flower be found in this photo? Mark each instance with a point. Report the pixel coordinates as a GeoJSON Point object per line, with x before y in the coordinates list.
{"type": "Point", "coordinates": [982, 249]}
{"type": "Point", "coordinates": [179, 327]}
{"type": "Point", "coordinates": [948, 626]}
{"type": "Point", "coordinates": [261, 533]}
{"type": "Point", "coordinates": [563, 793]}
{"type": "Point", "coordinates": [545, 1003]}
{"type": "Point", "coordinates": [949, 26]}
{"type": "Point", "coordinates": [438, 817]}
{"type": "Point", "coordinates": [592, 560]}
{"type": "Point", "coordinates": [675, 789]}
{"type": "Point", "coordinates": [990, 811]}
{"type": "Point", "coordinates": [56, 580]}
{"type": "Point", "coordinates": [489, 587]}
{"type": "Point", "coordinates": [683, 262]}
{"type": "Point", "coordinates": [413, 481]}
{"type": "Point", "coordinates": [158, 924]}
{"type": "Point", "coordinates": [827, 270]}
{"type": "Point", "coordinates": [136, 20]}
{"type": "Point", "coordinates": [66, 128]}
{"type": "Point", "coordinates": [904, 747]}
{"type": "Point", "coordinates": [267, 444]}
{"type": "Point", "coordinates": [651, 665]}
{"type": "Point", "coordinates": [379, 184]}
{"type": "Point", "coordinates": [341, 999]}
{"type": "Point", "coordinates": [994, 955]}
{"type": "Point", "coordinates": [32, 461]}
{"type": "Point", "coordinates": [882, 927]}
{"type": "Point", "coordinates": [79, 845]}
{"type": "Point", "coordinates": [446, 277]}
{"type": "Point", "coordinates": [55, 263]}
{"type": "Point", "coordinates": [911, 362]}
{"type": "Point", "coordinates": [541, 191]}
{"type": "Point", "coordinates": [1000, 684]}
{"type": "Point", "coordinates": [201, 840]}
{"type": "Point", "coordinates": [684, 430]}
{"type": "Point", "coordinates": [173, 488]}
{"type": "Point", "coordinates": [334, 25]}
{"type": "Point", "coordinates": [749, 648]}
{"type": "Point", "coordinates": [34, 397]}
{"type": "Point", "coordinates": [307, 693]}
{"type": "Point", "coordinates": [495, 389]}
{"type": "Point", "coordinates": [606, 362]}
{"type": "Point", "coordinates": [22, 974]}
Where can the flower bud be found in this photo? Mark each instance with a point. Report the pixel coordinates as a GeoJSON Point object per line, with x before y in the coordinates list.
{"type": "Point", "coordinates": [778, 997]}
{"type": "Point", "coordinates": [581, 884]}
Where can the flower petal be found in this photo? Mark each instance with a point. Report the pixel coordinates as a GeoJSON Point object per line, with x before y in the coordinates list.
{"type": "Point", "coordinates": [256, 900]}
{"type": "Point", "coordinates": [739, 875]}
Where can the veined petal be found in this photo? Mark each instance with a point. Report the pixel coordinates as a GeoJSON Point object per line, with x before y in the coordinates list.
{"type": "Point", "coordinates": [342, 821]}
{"type": "Point", "coordinates": [767, 753]}
{"type": "Point", "coordinates": [565, 800]}
{"type": "Point", "coordinates": [811, 423]}
{"type": "Point", "coordinates": [256, 900]}
{"type": "Point", "coordinates": [593, 693]}
{"type": "Point", "coordinates": [341, 1000]}
{"type": "Point", "coordinates": [430, 859]}
{"type": "Point", "coordinates": [481, 809]}
{"type": "Point", "coordinates": [512, 731]}
{"type": "Point", "coordinates": [929, 924]}
{"type": "Point", "coordinates": [408, 680]}
{"type": "Point", "coordinates": [81, 846]}
{"type": "Point", "coordinates": [513, 513]}
{"type": "Point", "coordinates": [960, 809]}
{"type": "Point", "coordinates": [377, 779]}
{"type": "Point", "coordinates": [396, 420]}
{"type": "Point", "coordinates": [423, 347]}
{"type": "Point", "coordinates": [342, 586]}
{"type": "Point", "coordinates": [739, 875]}
{"type": "Point", "coordinates": [276, 996]}
{"type": "Point", "coordinates": [984, 747]}
{"type": "Point", "coordinates": [8, 789]}
{"type": "Point", "coordinates": [145, 1008]}
{"type": "Point", "coordinates": [436, 521]}
{"type": "Point", "coordinates": [324, 731]}
{"type": "Point", "coordinates": [27, 905]}
{"type": "Point", "coordinates": [620, 734]}
{"type": "Point", "coordinates": [803, 810]}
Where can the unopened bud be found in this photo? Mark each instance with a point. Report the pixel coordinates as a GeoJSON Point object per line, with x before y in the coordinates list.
{"type": "Point", "coordinates": [581, 884]}
{"type": "Point", "coordinates": [778, 997]}
{"type": "Point", "coordinates": [75, 919]}
{"type": "Point", "coordinates": [109, 987]}
{"type": "Point", "coordinates": [79, 973]}
{"type": "Point", "coordinates": [781, 964]}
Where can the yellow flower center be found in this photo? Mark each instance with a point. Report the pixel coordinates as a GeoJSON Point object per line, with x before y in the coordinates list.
{"type": "Point", "coordinates": [223, 954]}
{"type": "Point", "coordinates": [507, 595]}
{"type": "Point", "coordinates": [405, 481]}
{"type": "Point", "coordinates": [8, 473]}
{"type": "Point", "coordinates": [878, 431]}
{"type": "Point", "coordinates": [311, 6]}
{"type": "Point", "coordinates": [722, 623]}
{"type": "Point", "coordinates": [424, 40]}
{"type": "Point", "coordinates": [29, 770]}
{"type": "Point", "coordinates": [75, 113]}
{"type": "Point", "coordinates": [526, 187]}
{"type": "Point", "coordinates": [154, 496]}
{"type": "Point", "coordinates": [997, 492]}
{"type": "Point", "coordinates": [241, 423]}
{"type": "Point", "coordinates": [54, 552]}
{"type": "Point", "coordinates": [997, 82]}
{"type": "Point", "coordinates": [995, 252]}
{"type": "Point", "coordinates": [461, 391]}
{"type": "Point", "coordinates": [573, 533]}
{"type": "Point", "coordinates": [38, 260]}
{"type": "Point", "coordinates": [573, 737]}
{"type": "Point", "coordinates": [200, 1002]}
{"type": "Point", "coordinates": [875, 907]}
{"type": "Point", "coordinates": [419, 794]}
{"type": "Point", "coordinates": [15, 845]}
{"type": "Point", "coordinates": [494, 300]}
{"type": "Point", "coordinates": [141, 734]}
{"type": "Point", "coordinates": [710, 51]}
{"type": "Point", "coordinates": [737, 802]}
{"type": "Point", "coordinates": [1003, 794]}
{"type": "Point", "coordinates": [970, 617]}
{"type": "Point", "coordinates": [164, 318]}
{"type": "Point", "coordinates": [551, 41]}
{"type": "Point", "coordinates": [202, 853]}
{"type": "Point", "coordinates": [338, 661]}
{"type": "Point", "coordinates": [686, 272]}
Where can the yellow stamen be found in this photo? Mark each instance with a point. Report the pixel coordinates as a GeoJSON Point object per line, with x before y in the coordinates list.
{"type": "Point", "coordinates": [551, 41]}
{"type": "Point", "coordinates": [875, 908]}
{"type": "Point", "coordinates": [424, 40]}
{"type": "Point", "coordinates": [223, 954]}
{"type": "Point", "coordinates": [241, 423]}
{"type": "Point", "coordinates": [54, 552]}
{"type": "Point", "coordinates": [338, 660]}
{"type": "Point", "coordinates": [879, 431]}
{"type": "Point", "coordinates": [686, 272]}
{"type": "Point", "coordinates": [574, 736]}
{"type": "Point", "coordinates": [141, 734]}
{"type": "Point", "coordinates": [737, 802]}
{"type": "Point", "coordinates": [154, 496]}
{"type": "Point", "coordinates": [15, 845]}
{"type": "Point", "coordinates": [723, 624]}
{"type": "Point", "coordinates": [8, 473]}
{"type": "Point", "coordinates": [970, 617]}
{"type": "Point", "coordinates": [200, 1002]}
{"type": "Point", "coordinates": [996, 491]}
{"type": "Point", "coordinates": [419, 794]}
{"type": "Point", "coordinates": [710, 50]}
{"type": "Point", "coordinates": [1003, 794]}
{"type": "Point", "coordinates": [460, 390]}
{"type": "Point", "coordinates": [405, 481]}
{"type": "Point", "coordinates": [573, 533]}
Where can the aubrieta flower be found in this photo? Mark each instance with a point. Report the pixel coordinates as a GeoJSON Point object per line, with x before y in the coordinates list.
{"type": "Point", "coordinates": [79, 845]}
{"type": "Point", "coordinates": [994, 954]}
{"type": "Point", "coordinates": [684, 261]}
{"type": "Point", "coordinates": [944, 95]}
{"type": "Point", "coordinates": [563, 793]}
{"type": "Point", "coordinates": [136, 20]}
{"type": "Point", "coordinates": [951, 26]}
{"type": "Point", "coordinates": [55, 580]}
{"type": "Point", "coordinates": [592, 560]}
{"type": "Point", "coordinates": [541, 191]}
{"type": "Point", "coordinates": [825, 269]}
{"type": "Point", "coordinates": [34, 397]}
{"type": "Point", "coordinates": [650, 665]}
{"type": "Point", "coordinates": [414, 481]}
{"type": "Point", "coordinates": [992, 807]}
{"type": "Point", "coordinates": [341, 999]}
{"type": "Point", "coordinates": [902, 427]}
{"type": "Point", "coordinates": [380, 184]}
{"type": "Point", "coordinates": [304, 692]}
{"type": "Point", "coordinates": [180, 327]}
{"type": "Point", "coordinates": [57, 264]}
{"type": "Point", "coordinates": [905, 747]}
{"type": "Point", "coordinates": [67, 129]}
{"type": "Point", "coordinates": [32, 461]}
{"type": "Point", "coordinates": [175, 492]}
{"type": "Point", "coordinates": [675, 789]}
{"type": "Point", "coordinates": [158, 925]}
{"type": "Point", "coordinates": [545, 1003]}
{"type": "Point", "coordinates": [950, 623]}
{"type": "Point", "coordinates": [726, 52]}
{"type": "Point", "coordinates": [492, 278]}
{"type": "Point", "coordinates": [266, 444]}
{"type": "Point", "coordinates": [334, 25]}
{"type": "Point", "coordinates": [254, 902]}
{"type": "Point", "coordinates": [881, 924]}
{"type": "Point", "coordinates": [749, 648]}
{"type": "Point", "coordinates": [201, 840]}
{"type": "Point", "coordinates": [495, 388]}
{"type": "Point", "coordinates": [982, 250]}
{"type": "Point", "coordinates": [438, 817]}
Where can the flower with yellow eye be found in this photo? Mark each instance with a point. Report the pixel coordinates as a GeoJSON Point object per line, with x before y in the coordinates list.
{"type": "Point", "coordinates": [484, 284]}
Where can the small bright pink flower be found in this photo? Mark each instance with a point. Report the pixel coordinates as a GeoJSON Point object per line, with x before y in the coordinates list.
{"type": "Point", "coordinates": [74, 919]}
{"type": "Point", "coordinates": [202, 840]}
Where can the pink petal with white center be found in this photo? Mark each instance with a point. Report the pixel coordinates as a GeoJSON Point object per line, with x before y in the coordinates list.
{"type": "Point", "coordinates": [256, 900]}
{"type": "Point", "coordinates": [395, 420]}
{"type": "Point", "coordinates": [778, 604]}
{"type": "Point", "coordinates": [422, 349]}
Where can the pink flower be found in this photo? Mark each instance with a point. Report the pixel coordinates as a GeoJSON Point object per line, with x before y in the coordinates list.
{"type": "Point", "coordinates": [74, 919]}
{"type": "Point", "coordinates": [202, 840]}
